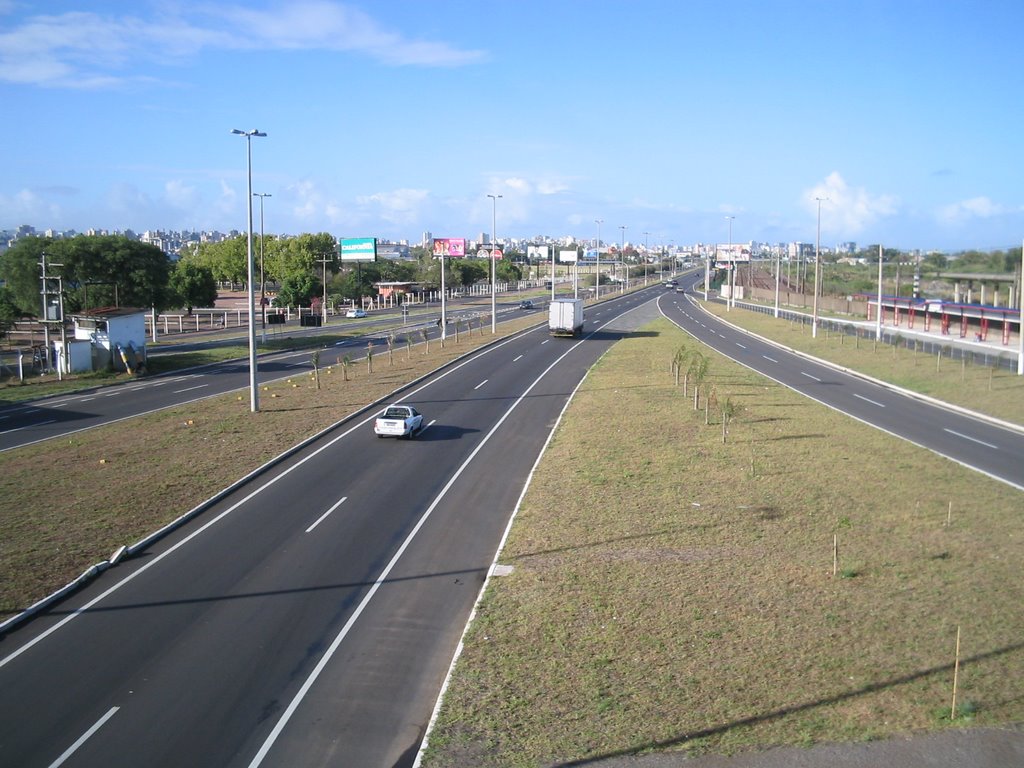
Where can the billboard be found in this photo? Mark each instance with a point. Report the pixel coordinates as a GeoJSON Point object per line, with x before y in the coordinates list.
{"type": "Point", "coordinates": [568, 257]}
{"type": "Point", "coordinates": [590, 254]}
{"type": "Point", "coordinates": [739, 252]}
{"type": "Point", "coordinates": [454, 247]}
{"type": "Point", "coordinates": [485, 251]}
{"type": "Point", "coordinates": [537, 252]}
{"type": "Point", "coordinates": [359, 249]}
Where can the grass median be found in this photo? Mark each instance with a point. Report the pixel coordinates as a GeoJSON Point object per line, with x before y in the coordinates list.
{"type": "Point", "coordinates": [800, 582]}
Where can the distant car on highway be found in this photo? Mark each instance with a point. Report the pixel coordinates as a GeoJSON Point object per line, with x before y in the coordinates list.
{"type": "Point", "coordinates": [398, 421]}
{"type": "Point", "coordinates": [526, 304]}
{"type": "Point", "coordinates": [355, 313]}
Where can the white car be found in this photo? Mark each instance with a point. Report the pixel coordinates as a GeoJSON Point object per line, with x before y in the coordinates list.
{"type": "Point", "coordinates": [398, 421]}
{"type": "Point", "coordinates": [355, 313]}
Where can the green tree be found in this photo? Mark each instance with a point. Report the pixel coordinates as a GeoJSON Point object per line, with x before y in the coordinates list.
{"type": "Point", "coordinates": [298, 290]}
{"type": "Point", "coordinates": [192, 285]}
{"type": "Point", "coordinates": [110, 270]}
{"type": "Point", "coordinates": [20, 270]}
{"type": "Point", "coordinates": [9, 311]}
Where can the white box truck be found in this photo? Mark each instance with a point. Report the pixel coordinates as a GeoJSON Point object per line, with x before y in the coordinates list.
{"type": "Point", "coordinates": [565, 317]}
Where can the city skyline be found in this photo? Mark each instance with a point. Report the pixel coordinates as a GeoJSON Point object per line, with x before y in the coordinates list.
{"type": "Point", "coordinates": [389, 120]}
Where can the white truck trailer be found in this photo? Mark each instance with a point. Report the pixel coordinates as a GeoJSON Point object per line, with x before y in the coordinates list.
{"type": "Point", "coordinates": [565, 317]}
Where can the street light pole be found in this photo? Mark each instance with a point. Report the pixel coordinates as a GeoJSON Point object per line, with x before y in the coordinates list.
{"type": "Point", "coordinates": [254, 400]}
{"type": "Point", "coordinates": [732, 271]}
{"type": "Point", "coordinates": [263, 281]}
{"type": "Point", "coordinates": [1020, 321]}
{"type": "Point", "coordinates": [597, 281]}
{"type": "Point", "coordinates": [817, 269]}
{"type": "Point", "coordinates": [494, 242]}
{"type": "Point", "coordinates": [645, 258]}
{"type": "Point", "coordinates": [622, 257]}
{"type": "Point", "coordinates": [778, 274]}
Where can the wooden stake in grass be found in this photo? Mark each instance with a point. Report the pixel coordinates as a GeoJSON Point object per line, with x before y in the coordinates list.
{"type": "Point", "coordinates": [835, 554]}
{"type": "Point", "coordinates": [956, 673]}
{"type": "Point", "coordinates": [949, 514]}
{"type": "Point", "coordinates": [369, 357]}
{"type": "Point", "coordinates": [314, 359]}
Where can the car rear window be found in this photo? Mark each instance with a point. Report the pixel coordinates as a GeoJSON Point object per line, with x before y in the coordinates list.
{"type": "Point", "coordinates": [396, 413]}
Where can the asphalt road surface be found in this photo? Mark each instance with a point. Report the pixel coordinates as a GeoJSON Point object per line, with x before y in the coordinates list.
{"type": "Point", "coordinates": [308, 618]}
{"type": "Point", "coordinates": [27, 423]}
{"type": "Point", "coordinates": [984, 446]}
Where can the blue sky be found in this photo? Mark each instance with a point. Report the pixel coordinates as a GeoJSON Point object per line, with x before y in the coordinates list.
{"type": "Point", "coordinates": [390, 118]}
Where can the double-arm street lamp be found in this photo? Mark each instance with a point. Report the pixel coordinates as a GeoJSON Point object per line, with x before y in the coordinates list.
{"type": "Point", "coordinates": [254, 401]}
{"type": "Point", "coordinates": [494, 244]}
{"type": "Point", "coordinates": [597, 281]}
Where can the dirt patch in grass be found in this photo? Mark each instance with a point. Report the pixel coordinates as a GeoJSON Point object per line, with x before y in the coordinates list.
{"type": "Point", "coordinates": [674, 593]}
{"type": "Point", "coordinates": [66, 504]}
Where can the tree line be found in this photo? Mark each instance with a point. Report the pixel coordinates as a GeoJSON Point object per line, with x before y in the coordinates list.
{"type": "Point", "coordinates": [113, 270]}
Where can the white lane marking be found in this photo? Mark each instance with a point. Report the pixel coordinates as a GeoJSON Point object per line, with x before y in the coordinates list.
{"type": "Point", "coordinates": [115, 393]}
{"type": "Point", "coordinates": [87, 399]}
{"type": "Point", "coordinates": [18, 429]}
{"type": "Point", "coordinates": [323, 517]}
{"type": "Point", "coordinates": [189, 389]}
{"type": "Point", "coordinates": [739, 345]}
{"type": "Point", "coordinates": [869, 400]}
{"type": "Point", "coordinates": [769, 359]}
{"type": "Point", "coordinates": [84, 737]}
{"type": "Point", "coordinates": [802, 373]}
{"type": "Point", "coordinates": [972, 439]}
{"type": "Point", "coordinates": [517, 359]}
{"type": "Point", "coordinates": [545, 341]}
{"type": "Point", "coordinates": [480, 384]}
{"type": "Point", "coordinates": [383, 576]}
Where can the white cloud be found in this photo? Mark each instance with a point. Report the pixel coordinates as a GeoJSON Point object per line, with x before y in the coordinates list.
{"type": "Point", "coordinates": [90, 50]}
{"type": "Point", "coordinates": [400, 206]}
{"type": "Point", "coordinates": [27, 206]}
{"type": "Point", "coordinates": [965, 210]}
{"type": "Point", "coordinates": [847, 211]}
{"type": "Point", "coordinates": [181, 195]}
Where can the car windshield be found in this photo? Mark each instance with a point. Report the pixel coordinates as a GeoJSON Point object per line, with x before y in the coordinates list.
{"type": "Point", "coordinates": [396, 413]}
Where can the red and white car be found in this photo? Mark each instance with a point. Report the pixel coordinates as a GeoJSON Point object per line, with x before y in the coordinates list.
{"type": "Point", "coordinates": [398, 421]}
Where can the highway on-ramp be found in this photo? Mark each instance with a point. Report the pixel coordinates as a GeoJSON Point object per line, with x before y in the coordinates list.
{"type": "Point", "coordinates": [309, 617]}
{"type": "Point", "coordinates": [982, 445]}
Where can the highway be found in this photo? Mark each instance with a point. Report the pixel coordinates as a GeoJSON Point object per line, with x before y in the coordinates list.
{"type": "Point", "coordinates": [309, 617]}
{"type": "Point", "coordinates": [58, 416]}
{"type": "Point", "coordinates": [978, 444]}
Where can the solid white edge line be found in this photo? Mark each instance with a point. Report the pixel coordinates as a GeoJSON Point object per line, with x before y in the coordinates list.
{"type": "Point", "coordinates": [84, 737]}
{"type": "Point", "coordinates": [487, 580]}
{"type": "Point", "coordinates": [323, 517]}
{"type": "Point", "coordinates": [293, 706]}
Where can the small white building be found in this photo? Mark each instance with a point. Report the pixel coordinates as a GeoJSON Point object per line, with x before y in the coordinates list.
{"type": "Point", "coordinates": [117, 336]}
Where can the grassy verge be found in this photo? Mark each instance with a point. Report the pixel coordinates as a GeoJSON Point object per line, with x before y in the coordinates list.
{"type": "Point", "coordinates": [996, 392]}
{"type": "Point", "coordinates": [672, 592]}
{"type": "Point", "coordinates": [66, 504]}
